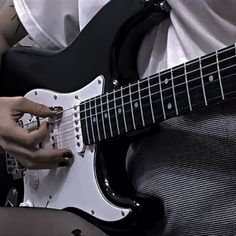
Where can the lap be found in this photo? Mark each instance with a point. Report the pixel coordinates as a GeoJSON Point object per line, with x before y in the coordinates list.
{"type": "Point", "coordinates": [190, 165]}
{"type": "Point", "coordinates": [44, 222]}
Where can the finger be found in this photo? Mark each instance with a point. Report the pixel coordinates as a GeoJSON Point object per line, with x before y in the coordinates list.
{"type": "Point", "coordinates": [15, 133]}
{"type": "Point", "coordinates": [24, 105]}
{"type": "Point", "coordinates": [37, 165]}
{"type": "Point", "coordinates": [29, 164]}
{"type": "Point", "coordinates": [41, 158]}
{"type": "Point", "coordinates": [47, 155]}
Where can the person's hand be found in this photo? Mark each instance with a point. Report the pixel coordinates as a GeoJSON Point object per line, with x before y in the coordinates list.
{"type": "Point", "coordinates": [20, 143]}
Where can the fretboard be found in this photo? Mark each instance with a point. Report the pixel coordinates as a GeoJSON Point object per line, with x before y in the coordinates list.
{"type": "Point", "coordinates": [198, 83]}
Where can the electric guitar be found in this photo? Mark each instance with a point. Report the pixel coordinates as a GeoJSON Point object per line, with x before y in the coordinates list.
{"type": "Point", "coordinates": [103, 100]}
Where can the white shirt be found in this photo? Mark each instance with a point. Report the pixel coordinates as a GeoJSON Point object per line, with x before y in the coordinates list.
{"type": "Point", "coordinates": [193, 29]}
{"type": "Point", "coordinates": [193, 158]}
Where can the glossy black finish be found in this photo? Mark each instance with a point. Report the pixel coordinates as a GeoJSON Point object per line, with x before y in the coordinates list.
{"type": "Point", "coordinates": [103, 47]}
{"type": "Point", "coordinates": [107, 46]}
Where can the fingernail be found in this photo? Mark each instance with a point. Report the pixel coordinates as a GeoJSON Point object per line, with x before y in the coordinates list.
{"type": "Point", "coordinates": [67, 155]}
{"type": "Point", "coordinates": [56, 109]}
{"type": "Point", "coordinates": [68, 161]}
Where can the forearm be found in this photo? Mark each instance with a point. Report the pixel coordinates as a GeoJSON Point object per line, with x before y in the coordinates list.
{"type": "Point", "coordinates": [11, 29]}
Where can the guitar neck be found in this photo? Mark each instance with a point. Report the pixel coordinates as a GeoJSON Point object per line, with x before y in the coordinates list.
{"type": "Point", "coordinates": [182, 89]}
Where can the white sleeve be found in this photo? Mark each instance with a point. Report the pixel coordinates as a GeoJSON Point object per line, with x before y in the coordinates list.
{"type": "Point", "coordinates": [52, 24]}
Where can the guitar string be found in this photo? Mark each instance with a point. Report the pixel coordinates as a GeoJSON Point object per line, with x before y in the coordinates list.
{"type": "Point", "coordinates": [158, 92]}
{"type": "Point", "coordinates": [149, 78]}
{"type": "Point", "coordinates": [80, 134]}
{"type": "Point", "coordinates": [159, 74]}
{"type": "Point", "coordinates": [118, 106]}
{"type": "Point", "coordinates": [64, 124]}
{"type": "Point", "coordinates": [203, 102]}
{"type": "Point", "coordinates": [174, 69]}
{"type": "Point", "coordinates": [157, 84]}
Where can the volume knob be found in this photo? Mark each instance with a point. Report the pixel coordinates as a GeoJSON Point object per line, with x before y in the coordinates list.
{"type": "Point", "coordinates": [27, 203]}
{"type": "Point", "coordinates": [32, 179]}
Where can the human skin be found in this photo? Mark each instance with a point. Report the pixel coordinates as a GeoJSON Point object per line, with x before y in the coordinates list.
{"type": "Point", "coordinates": [13, 138]}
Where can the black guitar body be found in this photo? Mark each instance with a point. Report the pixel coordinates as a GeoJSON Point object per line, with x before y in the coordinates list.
{"type": "Point", "coordinates": [107, 46]}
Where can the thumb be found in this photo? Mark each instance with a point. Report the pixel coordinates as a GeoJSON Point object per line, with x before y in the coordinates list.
{"type": "Point", "coordinates": [25, 105]}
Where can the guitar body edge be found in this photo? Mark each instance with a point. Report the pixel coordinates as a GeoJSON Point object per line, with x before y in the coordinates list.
{"type": "Point", "coordinates": [110, 52]}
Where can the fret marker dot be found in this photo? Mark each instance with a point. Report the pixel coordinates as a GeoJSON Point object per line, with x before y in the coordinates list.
{"type": "Point", "coordinates": [94, 119]}
{"type": "Point", "coordinates": [136, 104]}
{"type": "Point", "coordinates": [166, 81]}
{"type": "Point", "coordinates": [119, 110]}
{"type": "Point", "coordinates": [105, 115]}
{"type": "Point", "coordinates": [211, 78]}
{"type": "Point", "coordinates": [169, 106]}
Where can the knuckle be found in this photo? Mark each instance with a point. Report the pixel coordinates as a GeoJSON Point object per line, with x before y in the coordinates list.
{"type": "Point", "coordinates": [20, 100]}
{"type": "Point", "coordinates": [40, 109]}
{"type": "Point", "coordinates": [18, 103]}
{"type": "Point", "coordinates": [34, 156]}
{"type": "Point", "coordinates": [29, 141]}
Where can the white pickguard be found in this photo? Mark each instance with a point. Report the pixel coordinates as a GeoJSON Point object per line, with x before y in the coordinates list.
{"type": "Point", "coordinates": [75, 186]}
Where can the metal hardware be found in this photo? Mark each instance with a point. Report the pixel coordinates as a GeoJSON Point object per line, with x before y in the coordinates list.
{"type": "Point", "coordinates": [12, 198]}
{"type": "Point", "coordinates": [115, 83]}
{"type": "Point", "coordinates": [164, 6]}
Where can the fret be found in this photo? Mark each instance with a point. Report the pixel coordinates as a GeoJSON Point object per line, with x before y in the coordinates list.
{"type": "Point", "coordinates": [120, 111]}
{"type": "Point", "coordinates": [150, 100]}
{"type": "Point", "coordinates": [116, 117]}
{"type": "Point", "coordinates": [127, 108]}
{"type": "Point", "coordinates": [105, 117]}
{"type": "Point", "coordinates": [140, 103]}
{"type": "Point", "coordinates": [202, 81]}
{"type": "Point", "coordinates": [210, 77]}
{"type": "Point", "coordinates": [198, 83]}
{"type": "Point", "coordinates": [96, 120]}
{"type": "Point", "coordinates": [84, 116]}
{"type": "Point", "coordinates": [162, 100]}
{"type": "Point", "coordinates": [108, 115]}
{"type": "Point", "coordinates": [219, 76]}
{"type": "Point", "coordinates": [181, 93]}
{"type": "Point", "coordinates": [87, 118]}
{"type": "Point", "coordinates": [193, 75]}
{"type": "Point", "coordinates": [227, 67]}
{"type": "Point", "coordinates": [154, 87]}
{"type": "Point", "coordinates": [173, 89]}
{"type": "Point", "coordinates": [123, 109]}
{"type": "Point", "coordinates": [144, 94]}
{"type": "Point", "coordinates": [131, 107]}
{"type": "Point", "coordinates": [134, 93]}
{"type": "Point", "coordinates": [91, 120]}
{"type": "Point", "coordinates": [168, 94]}
{"type": "Point", "coordinates": [187, 88]}
{"type": "Point", "coordinates": [102, 116]}
{"type": "Point", "coordinates": [84, 125]}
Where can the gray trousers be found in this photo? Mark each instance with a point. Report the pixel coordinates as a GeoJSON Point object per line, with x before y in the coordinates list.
{"type": "Point", "coordinates": [190, 163]}
{"type": "Point", "coordinates": [44, 222]}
